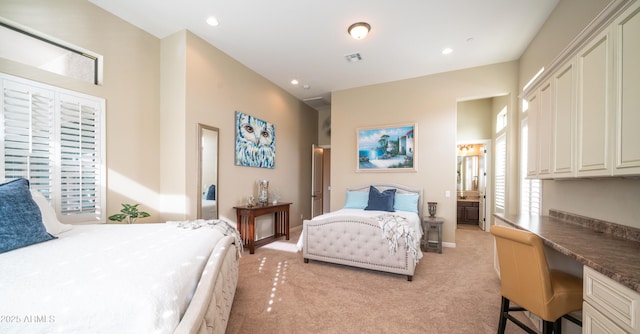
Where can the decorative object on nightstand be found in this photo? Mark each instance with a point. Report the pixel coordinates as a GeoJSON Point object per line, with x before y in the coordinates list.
{"type": "Point", "coordinates": [432, 224]}
{"type": "Point", "coordinates": [251, 201]}
{"type": "Point", "coordinates": [433, 206]}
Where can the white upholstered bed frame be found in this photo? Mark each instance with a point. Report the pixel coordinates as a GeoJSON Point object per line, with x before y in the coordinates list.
{"type": "Point", "coordinates": [210, 307]}
{"type": "Point", "coordinates": [356, 241]}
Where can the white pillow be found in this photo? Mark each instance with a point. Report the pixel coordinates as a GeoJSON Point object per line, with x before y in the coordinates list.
{"type": "Point", "coordinates": [51, 222]}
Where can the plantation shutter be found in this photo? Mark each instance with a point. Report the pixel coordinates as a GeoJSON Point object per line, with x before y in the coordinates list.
{"type": "Point", "coordinates": [27, 134]}
{"type": "Point", "coordinates": [54, 138]}
{"type": "Point", "coordinates": [530, 189]}
{"type": "Point", "coordinates": [500, 177]}
{"type": "Point", "coordinates": [79, 155]}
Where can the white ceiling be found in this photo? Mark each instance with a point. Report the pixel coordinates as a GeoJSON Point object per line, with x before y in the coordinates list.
{"type": "Point", "coordinates": [307, 40]}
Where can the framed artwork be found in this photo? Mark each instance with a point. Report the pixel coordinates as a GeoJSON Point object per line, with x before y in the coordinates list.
{"type": "Point", "coordinates": [255, 142]}
{"type": "Point", "coordinates": [387, 148]}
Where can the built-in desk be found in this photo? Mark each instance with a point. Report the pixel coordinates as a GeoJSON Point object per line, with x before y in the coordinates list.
{"type": "Point", "coordinates": [609, 255]}
{"type": "Point", "coordinates": [614, 257]}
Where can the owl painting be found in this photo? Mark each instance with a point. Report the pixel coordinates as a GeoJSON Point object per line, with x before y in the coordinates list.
{"type": "Point", "coordinates": [255, 142]}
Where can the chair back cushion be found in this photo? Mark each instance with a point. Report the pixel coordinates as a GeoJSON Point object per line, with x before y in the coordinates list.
{"type": "Point", "coordinates": [524, 274]}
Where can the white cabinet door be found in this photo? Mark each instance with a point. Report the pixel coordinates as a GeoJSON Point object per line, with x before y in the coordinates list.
{"type": "Point", "coordinates": [627, 144]}
{"type": "Point", "coordinates": [564, 120]}
{"type": "Point", "coordinates": [594, 322]}
{"type": "Point", "coordinates": [594, 65]}
{"type": "Point", "coordinates": [544, 130]}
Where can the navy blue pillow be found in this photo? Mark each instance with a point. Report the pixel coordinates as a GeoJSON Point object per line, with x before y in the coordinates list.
{"type": "Point", "coordinates": [20, 218]}
{"type": "Point", "coordinates": [381, 201]}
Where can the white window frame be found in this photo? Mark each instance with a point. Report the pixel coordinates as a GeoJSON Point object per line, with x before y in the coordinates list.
{"type": "Point", "coordinates": [55, 138]}
{"type": "Point", "coordinates": [47, 53]}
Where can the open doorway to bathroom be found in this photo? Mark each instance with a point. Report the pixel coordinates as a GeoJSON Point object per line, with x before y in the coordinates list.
{"type": "Point", "coordinates": [471, 186]}
{"type": "Point", "coordinates": [473, 169]}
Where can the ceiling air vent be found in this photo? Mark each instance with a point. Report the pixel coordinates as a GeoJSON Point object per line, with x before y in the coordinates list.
{"type": "Point", "coordinates": [352, 58]}
{"type": "Point", "coordinates": [317, 102]}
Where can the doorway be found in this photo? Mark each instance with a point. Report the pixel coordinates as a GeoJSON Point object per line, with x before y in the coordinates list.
{"type": "Point", "coordinates": [473, 184]}
{"type": "Point", "coordinates": [320, 180]}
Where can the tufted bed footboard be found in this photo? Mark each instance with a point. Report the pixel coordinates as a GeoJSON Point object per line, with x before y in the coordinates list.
{"type": "Point", "coordinates": [210, 306]}
{"type": "Point", "coordinates": [354, 241]}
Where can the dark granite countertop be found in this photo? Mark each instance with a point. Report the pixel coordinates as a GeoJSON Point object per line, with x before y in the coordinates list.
{"type": "Point", "coordinates": [613, 256]}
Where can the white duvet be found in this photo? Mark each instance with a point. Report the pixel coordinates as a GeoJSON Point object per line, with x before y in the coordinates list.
{"type": "Point", "coordinates": [104, 279]}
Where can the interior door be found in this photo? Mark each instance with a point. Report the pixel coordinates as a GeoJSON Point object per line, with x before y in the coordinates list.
{"type": "Point", "coordinates": [316, 181]}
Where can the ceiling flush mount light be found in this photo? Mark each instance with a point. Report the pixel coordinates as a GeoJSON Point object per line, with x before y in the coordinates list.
{"type": "Point", "coordinates": [294, 82]}
{"type": "Point", "coordinates": [359, 30]}
{"type": "Point", "coordinates": [446, 51]}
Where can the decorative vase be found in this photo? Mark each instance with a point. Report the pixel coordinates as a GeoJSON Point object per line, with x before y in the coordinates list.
{"type": "Point", "coordinates": [263, 192]}
{"type": "Point", "coordinates": [432, 208]}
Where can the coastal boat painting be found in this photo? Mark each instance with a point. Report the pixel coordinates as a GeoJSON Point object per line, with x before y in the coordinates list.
{"type": "Point", "coordinates": [387, 148]}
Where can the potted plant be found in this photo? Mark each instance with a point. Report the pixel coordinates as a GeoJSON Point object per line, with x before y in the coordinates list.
{"type": "Point", "coordinates": [130, 213]}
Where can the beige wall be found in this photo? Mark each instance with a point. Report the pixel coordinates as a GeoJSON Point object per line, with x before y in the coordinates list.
{"type": "Point", "coordinates": [474, 120]}
{"type": "Point", "coordinates": [431, 103]}
{"type": "Point", "coordinates": [568, 19]}
{"type": "Point", "coordinates": [131, 89]}
{"type": "Point", "coordinates": [156, 92]}
{"type": "Point", "coordinates": [324, 118]}
{"type": "Point", "coordinates": [611, 199]}
{"type": "Point", "coordinates": [216, 87]}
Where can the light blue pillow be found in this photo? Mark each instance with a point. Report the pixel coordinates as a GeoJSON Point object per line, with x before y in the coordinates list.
{"type": "Point", "coordinates": [406, 202]}
{"type": "Point", "coordinates": [356, 200]}
{"type": "Point", "coordinates": [20, 218]}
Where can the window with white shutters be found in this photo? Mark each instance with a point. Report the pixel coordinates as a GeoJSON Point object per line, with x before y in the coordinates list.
{"type": "Point", "coordinates": [500, 173]}
{"type": "Point", "coordinates": [55, 139]}
{"type": "Point", "coordinates": [530, 189]}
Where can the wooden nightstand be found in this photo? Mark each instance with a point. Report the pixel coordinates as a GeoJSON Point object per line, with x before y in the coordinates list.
{"type": "Point", "coordinates": [434, 225]}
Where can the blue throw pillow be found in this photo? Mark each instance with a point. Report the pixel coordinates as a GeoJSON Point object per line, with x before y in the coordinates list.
{"type": "Point", "coordinates": [406, 202]}
{"type": "Point", "coordinates": [20, 218]}
{"type": "Point", "coordinates": [356, 200]}
{"type": "Point", "coordinates": [381, 201]}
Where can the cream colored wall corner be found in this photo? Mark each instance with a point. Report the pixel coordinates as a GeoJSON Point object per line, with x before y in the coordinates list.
{"type": "Point", "coordinates": [429, 101]}
{"type": "Point", "coordinates": [216, 87]}
{"type": "Point", "coordinates": [562, 26]}
{"type": "Point", "coordinates": [130, 87]}
{"type": "Point", "coordinates": [174, 200]}
{"type": "Point", "coordinates": [474, 120]}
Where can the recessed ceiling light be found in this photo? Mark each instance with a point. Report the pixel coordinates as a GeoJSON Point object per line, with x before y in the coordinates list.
{"type": "Point", "coordinates": [212, 21]}
{"type": "Point", "coordinates": [446, 51]}
{"type": "Point", "coordinates": [294, 82]}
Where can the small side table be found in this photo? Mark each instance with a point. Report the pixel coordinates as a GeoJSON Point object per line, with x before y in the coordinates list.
{"type": "Point", "coordinates": [428, 225]}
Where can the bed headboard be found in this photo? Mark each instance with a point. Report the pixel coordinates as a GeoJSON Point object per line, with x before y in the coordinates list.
{"type": "Point", "coordinates": [400, 189]}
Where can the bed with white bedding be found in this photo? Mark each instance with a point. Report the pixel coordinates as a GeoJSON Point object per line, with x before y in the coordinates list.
{"type": "Point", "coordinates": [361, 235]}
{"type": "Point", "coordinates": [174, 277]}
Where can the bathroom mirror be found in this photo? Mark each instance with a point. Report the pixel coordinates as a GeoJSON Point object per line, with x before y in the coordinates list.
{"type": "Point", "coordinates": [468, 171]}
{"type": "Point", "coordinates": [207, 172]}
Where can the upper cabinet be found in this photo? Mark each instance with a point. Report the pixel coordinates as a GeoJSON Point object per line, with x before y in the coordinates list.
{"type": "Point", "coordinates": [564, 121]}
{"type": "Point", "coordinates": [626, 29]}
{"type": "Point", "coordinates": [584, 116]}
{"type": "Point", "coordinates": [595, 71]}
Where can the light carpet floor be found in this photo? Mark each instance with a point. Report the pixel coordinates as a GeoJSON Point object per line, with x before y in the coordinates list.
{"type": "Point", "coordinates": [453, 292]}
